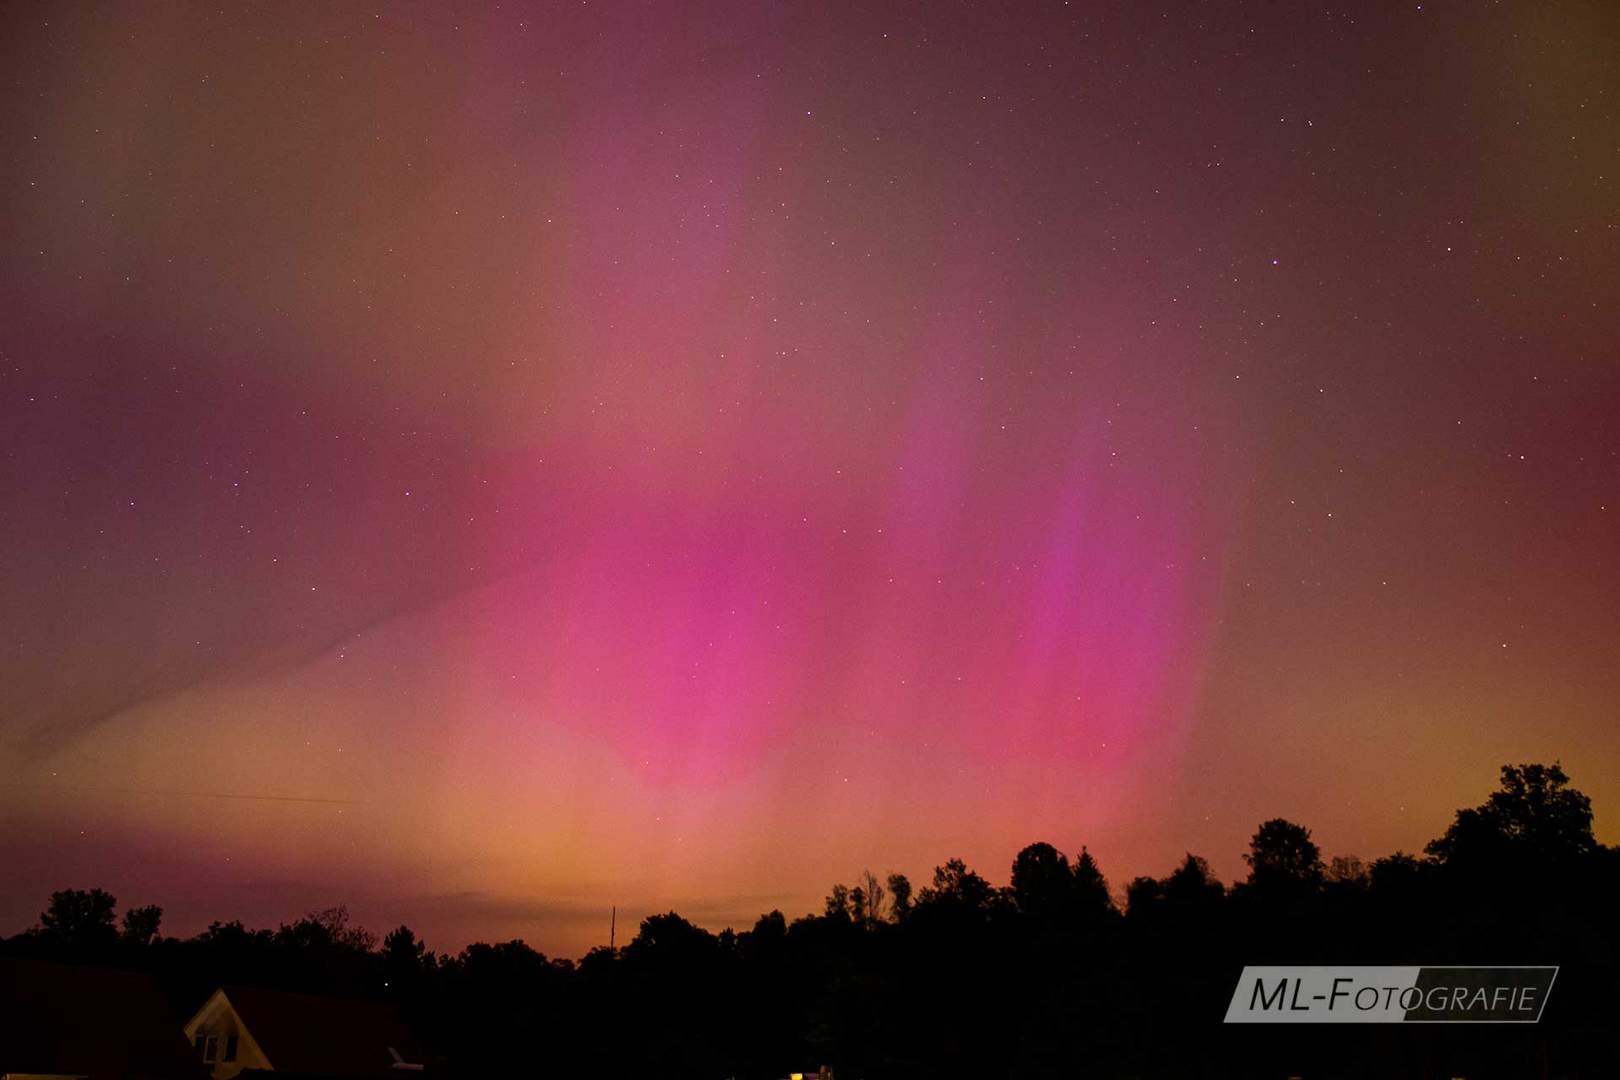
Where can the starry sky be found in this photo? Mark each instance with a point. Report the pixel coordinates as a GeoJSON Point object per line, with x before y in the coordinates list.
{"type": "Point", "coordinates": [486, 464]}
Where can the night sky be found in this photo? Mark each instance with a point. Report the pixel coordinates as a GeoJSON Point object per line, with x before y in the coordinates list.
{"type": "Point", "coordinates": [486, 466]}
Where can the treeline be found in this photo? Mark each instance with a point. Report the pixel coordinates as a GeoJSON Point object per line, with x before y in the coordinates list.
{"type": "Point", "coordinates": [1046, 976]}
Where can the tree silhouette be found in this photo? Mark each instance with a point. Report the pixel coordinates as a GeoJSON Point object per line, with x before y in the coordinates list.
{"type": "Point", "coordinates": [80, 918]}
{"type": "Point", "coordinates": [141, 924]}
{"type": "Point", "coordinates": [1190, 886]}
{"type": "Point", "coordinates": [668, 938]}
{"type": "Point", "coordinates": [900, 893]}
{"type": "Point", "coordinates": [1042, 884]}
{"type": "Point", "coordinates": [1346, 870]}
{"type": "Point", "coordinates": [1090, 891]}
{"type": "Point", "coordinates": [404, 959]}
{"type": "Point", "coordinates": [874, 898]}
{"type": "Point", "coordinates": [1282, 856]}
{"type": "Point", "coordinates": [1534, 814]}
{"type": "Point", "coordinates": [957, 886]}
{"type": "Point", "coordinates": [1193, 883]}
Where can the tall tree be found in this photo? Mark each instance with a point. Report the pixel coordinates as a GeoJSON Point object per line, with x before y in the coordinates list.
{"type": "Point", "coordinates": [141, 924]}
{"type": "Point", "coordinates": [80, 917]}
{"type": "Point", "coordinates": [1281, 855]}
{"type": "Point", "coordinates": [1534, 814]}
{"type": "Point", "coordinates": [1090, 887]}
{"type": "Point", "coordinates": [900, 891]}
{"type": "Point", "coordinates": [1042, 883]}
{"type": "Point", "coordinates": [404, 958]}
{"type": "Point", "coordinates": [875, 897]}
{"type": "Point", "coordinates": [857, 906]}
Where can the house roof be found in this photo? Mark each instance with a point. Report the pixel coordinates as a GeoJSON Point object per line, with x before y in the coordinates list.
{"type": "Point", "coordinates": [91, 1022]}
{"type": "Point", "coordinates": [304, 1033]}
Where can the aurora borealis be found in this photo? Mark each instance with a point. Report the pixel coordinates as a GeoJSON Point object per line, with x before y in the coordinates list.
{"type": "Point", "coordinates": [484, 465]}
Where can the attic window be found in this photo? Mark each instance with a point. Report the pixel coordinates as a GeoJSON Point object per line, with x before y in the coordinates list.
{"type": "Point", "coordinates": [208, 1046]}
{"type": "Point", "coordinates": [230, 1047]}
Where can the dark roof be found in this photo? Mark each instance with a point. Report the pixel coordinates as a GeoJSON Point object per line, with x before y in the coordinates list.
{"type": "Point", "coordinates": [303, 1033]}
{"type": "Point", "coordinates": [93, 1022]}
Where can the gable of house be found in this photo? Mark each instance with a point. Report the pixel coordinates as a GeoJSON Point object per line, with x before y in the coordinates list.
{"type": "Point", "coordinates": [221, 1040]}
